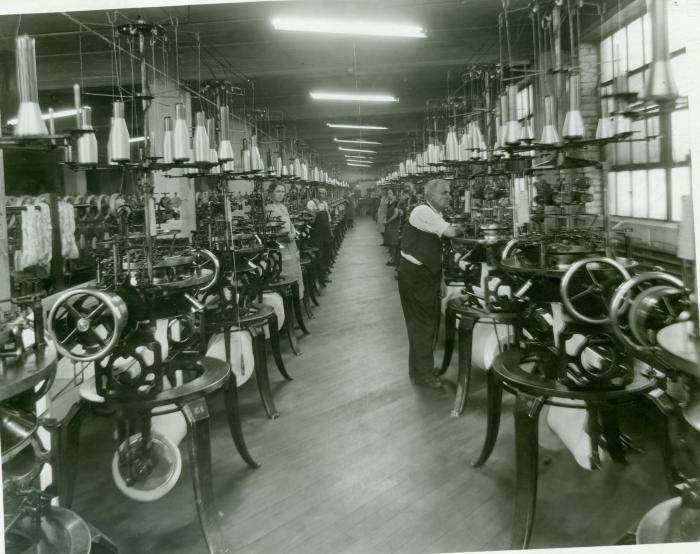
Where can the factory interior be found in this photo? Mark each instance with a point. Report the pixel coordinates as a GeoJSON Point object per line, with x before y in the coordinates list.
{"type": "Point", "coordinates": [348, 276]}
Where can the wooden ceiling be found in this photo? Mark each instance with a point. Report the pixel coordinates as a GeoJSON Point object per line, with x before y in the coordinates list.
{"type": "Point", "coordinates": [278, 69]}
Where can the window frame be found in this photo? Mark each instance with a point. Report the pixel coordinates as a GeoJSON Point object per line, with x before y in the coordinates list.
{"type": "Point", "coordinates": [666, 159]}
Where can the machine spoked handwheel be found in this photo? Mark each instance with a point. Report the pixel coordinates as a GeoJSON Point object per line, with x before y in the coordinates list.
{"type": "Point", "coordinates": [644, 304]}
{"type": "Point", "coordinates": [86, 324]}
{"type": "Point", "coordinates": [587, 286]}
{"type": "Point", "coordinates": [205, 261]}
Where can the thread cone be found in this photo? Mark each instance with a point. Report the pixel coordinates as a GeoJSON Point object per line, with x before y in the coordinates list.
{"type": "Point", "coordinates": [118, 145]}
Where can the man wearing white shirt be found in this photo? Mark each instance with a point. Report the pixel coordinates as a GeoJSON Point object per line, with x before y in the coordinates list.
{"type": "Point", "coordinates": [421, 284]}
{"type": "Point", "coordinates": [321, 232]}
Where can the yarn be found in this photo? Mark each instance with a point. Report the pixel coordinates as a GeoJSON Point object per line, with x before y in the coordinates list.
{"type": "Point", "coordinates": [66, 223]}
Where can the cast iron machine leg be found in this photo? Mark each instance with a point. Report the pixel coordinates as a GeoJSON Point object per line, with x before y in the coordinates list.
{"type": "Point", "coordinates": [275, 344]}
{"type": "Point", "coordinates": [234, 420]}
{"type": "Point", "coordinates": [297, 308]}
{"type": "Point", "coordinates": [527, 413]}
{"type": "Point", "coordinates": [466, 333]}
{"type": "Point", "coordinates": [197, 416]}
{"type": "Point", "coordinates": [68, 435]}
{"type": "Point", "coordinates": [261, 376]}
{"type": "Point", "coordinates": [494, 396]}
{"type": "Point", "coordinates": [450, 320]}
{"type": "Point", "coordinates": [289, 321]}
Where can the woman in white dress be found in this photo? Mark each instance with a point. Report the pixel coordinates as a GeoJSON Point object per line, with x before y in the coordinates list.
{"type": "Point", "coordinates": [291, 263]}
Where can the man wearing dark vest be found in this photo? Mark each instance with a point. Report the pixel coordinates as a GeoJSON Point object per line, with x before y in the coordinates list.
{"type": "Point", "coordinates": [321, 231]}
{"type": "Point", "coordinates": [421, 284]}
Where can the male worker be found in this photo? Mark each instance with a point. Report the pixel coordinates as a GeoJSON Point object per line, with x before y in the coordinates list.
{"type": "Point", "coordinates": [421, 284]}
{"type": "Point", "coordinates": [321, 231]}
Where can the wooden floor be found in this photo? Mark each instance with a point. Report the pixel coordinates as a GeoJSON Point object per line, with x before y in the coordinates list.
{"type": "Point", "coordinates": [362, 462]}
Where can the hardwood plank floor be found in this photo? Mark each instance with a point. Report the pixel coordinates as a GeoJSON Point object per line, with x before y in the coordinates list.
{"type": "Point", "coordinates": [360, 461]}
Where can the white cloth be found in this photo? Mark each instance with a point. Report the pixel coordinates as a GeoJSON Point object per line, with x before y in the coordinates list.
{"type": "Point", "coordinates": [317, 206]}
{"type": "Point", "coordinates": [66, 220]}
{"type": "Point", "coordinates": [36, 237]}
{"type": "Point", "coordinates": [427, 219]}
{"type": "Point", "coordinates": [291, 261]}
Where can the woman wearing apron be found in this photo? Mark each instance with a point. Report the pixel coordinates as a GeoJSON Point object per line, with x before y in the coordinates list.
{"type": "Point", "coordinates": [291, 264]}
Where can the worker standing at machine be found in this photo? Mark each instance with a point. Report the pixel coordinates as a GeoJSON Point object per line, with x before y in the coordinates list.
{"type": "Point", "coordinates": [421, 284]}
{"type": "Point", "coordinates": [321, 232]}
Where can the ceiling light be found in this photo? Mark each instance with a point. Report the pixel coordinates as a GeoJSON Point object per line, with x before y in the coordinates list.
{"type": "Point", "coordinates": [350, 126]}
{"type": "Point", "coordinates": [137, 139]}
{"type": "Point", "coordinates": [352, 96]}
{"type": "Point", "coordinates": [344, 27]}
{"type": "Point", "coordinates": [353, 164]}
{"type": "Point", "coordinates": [46, 117]}
{"type": "Point", "coordinates": [356, 141]}
{"type": "Point", "coordinates": [355, 158]}
{"type": "Point", "coordinates": [356, 150]}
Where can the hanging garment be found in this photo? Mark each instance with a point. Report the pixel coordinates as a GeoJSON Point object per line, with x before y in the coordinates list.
{"type": "Point", "coordinates": [66, 221]}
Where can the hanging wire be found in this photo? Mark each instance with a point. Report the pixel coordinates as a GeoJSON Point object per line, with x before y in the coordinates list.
{"type": "Point", "coordinates": [80, 58]}
{"type": "Point", "coordinates": [130, 43]}
{"type": "Point", "coordinates": [505, 18]}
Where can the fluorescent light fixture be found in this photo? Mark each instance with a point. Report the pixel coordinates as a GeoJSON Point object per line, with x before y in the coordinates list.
{"type": "Point", "coordinates": [352, 96]}
{"type": "Point", "coordinates": [345, 27]}
{"type": "Point", "coordinates": [350, 126]}
{"type": "Point", "coordinates": [359, 165]}
{"type": "Point", "coordinates": [45, 116]}
{"type": "Point", "coordinates": [137, 139]}
{"type": "Point", "coordinates": [343, 149]}
{"type": "Point", "coordinates": [356, 141]}
{"type": "Point", "coordinates": [355, 158]}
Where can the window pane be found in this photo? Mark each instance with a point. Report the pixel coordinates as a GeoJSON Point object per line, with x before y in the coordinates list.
{"type": "Point", "coordinates": [680, 135]}
{"type": "Point", "coordinates": [636, 83]}
{"type": "Point", "coordinates": [653, 145]}
{"type": "Point", "coordinates": [610, 154]}
{"type": "Point", "coordinates": [612, 193]}
{"type": "Point", "coordinates": [646, 24]}
{"type": "Point", "coordinates": [622, 153]}
{"type": "Point", "coordinates": [619, 52]}
{"type": "Point", "coordinates": [606, 60]}
{"type": "Point", "coordinates": [640, 194]}
{"type": "Point", "coordinates": [635, 46]}
{"type": "Point", "coordinates": [679, 69]}
{"type": "Point", "coordinates": [624, 193]}
{"type": "Point", "coordinates": [657, 194]}
{"type": "Point", "coordinates": [676, 26]}
{"type": "Point", "coordinates": [639, 147]}
{"type": "Point", "coordinates": [680, 186]}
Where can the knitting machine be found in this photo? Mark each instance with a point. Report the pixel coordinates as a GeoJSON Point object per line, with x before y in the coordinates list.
{"type": "Point", "coordinates": [115, 319]}
{"type": "Point", "coordinates": [32, 524]}
{"type": "Point", "coordinates": [247, 262]}
{"type": "Point", "coordinates": [115, 325]}
{"type": "Point", "coordinates": [655, 317]}
{"type": "Point", "coordinates": [556, 250]}
{"type": "Point", "coordinates": [559, 203]}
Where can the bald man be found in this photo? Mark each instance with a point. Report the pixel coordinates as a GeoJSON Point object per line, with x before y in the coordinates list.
{"type": "Point", "coordinates": [421, 284]}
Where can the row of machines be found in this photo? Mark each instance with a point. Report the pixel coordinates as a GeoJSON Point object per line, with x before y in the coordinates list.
{"type": "Point", "coordinates": [143, 306]}
{"type": "Point", "coordinates": [590, 317]}
{"type": "Point", "coordinates": [151, 384]}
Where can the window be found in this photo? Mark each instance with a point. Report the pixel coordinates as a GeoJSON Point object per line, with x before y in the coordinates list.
{"type": "Point", "coordinates": [648, 177]}
{"type": "Point", "coordinates": [525, 106]}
